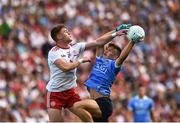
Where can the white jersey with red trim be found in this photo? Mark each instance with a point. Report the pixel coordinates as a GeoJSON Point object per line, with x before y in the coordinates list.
{"type": "Point", "coordinates": [59, 80]}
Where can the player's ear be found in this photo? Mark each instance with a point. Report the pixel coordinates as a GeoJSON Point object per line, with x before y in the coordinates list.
{"type": "Point", "coordinates": [59, 36]}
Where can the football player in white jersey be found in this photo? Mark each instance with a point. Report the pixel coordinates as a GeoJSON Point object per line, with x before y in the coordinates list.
{"type": "Point", "coordinates": [63, 59]}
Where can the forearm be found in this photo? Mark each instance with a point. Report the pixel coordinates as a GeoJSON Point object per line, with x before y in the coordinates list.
{"type": "Point", "coordinates": [153, 119]}
{"type": "Point", "coordinates": [127, 50]}
{"type": "Point", "coordinates": [72, 65]}
{"type": "Point", "coordinates": [66, 66]}
{"type": "Point", "coordinates": [152, 116]}
{"type": "Point", "coordinates": [125, 53]}
{"type": "Point", "coordinates": [130, 116]}
{"type": "Point", "coordinates": [101, 41]}
{"type": "Point", "coordinates": [104, 39]}
{"type": "Point", "coordinates": [113, 31]}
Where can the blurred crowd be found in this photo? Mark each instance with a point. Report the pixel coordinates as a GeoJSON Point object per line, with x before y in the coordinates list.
{"type": "Point", "coordinates": [25, 42]}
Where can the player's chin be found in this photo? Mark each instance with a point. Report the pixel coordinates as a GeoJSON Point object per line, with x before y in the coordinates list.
{"type": "Point", "coordinates": [69, 40]}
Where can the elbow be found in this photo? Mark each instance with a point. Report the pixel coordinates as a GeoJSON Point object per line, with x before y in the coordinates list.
{"type": "Point", "coordinates": [65, 69]}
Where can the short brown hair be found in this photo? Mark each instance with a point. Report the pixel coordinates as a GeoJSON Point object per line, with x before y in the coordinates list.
{"type": "Point", "coordinates": [141, 85]}
{"type": "Point", "coordinates": [55, 30]}
{"type": "Point", "coordinates": [115, 46]}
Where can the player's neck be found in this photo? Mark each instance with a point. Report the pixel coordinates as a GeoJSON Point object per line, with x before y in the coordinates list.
{"type": "Point", "coordinates": [63, 45]}
{"type": "Point", "coordinates": [104, 56]}
{"type": "Point", "coordinates": [141, 96]}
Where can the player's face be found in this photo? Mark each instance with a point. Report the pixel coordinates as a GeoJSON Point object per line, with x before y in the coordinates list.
{"type": "Point", "coordinates": [110, 52]}
{"type": "Point", "coordinates": [64, 35]}
{"type": "Point", "coordinates": [142, 91]}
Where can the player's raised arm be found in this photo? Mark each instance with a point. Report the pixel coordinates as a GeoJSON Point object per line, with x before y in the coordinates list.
{"type": "Point", "coordinates": [125, 52]}
{"type": "Point", "coordinates": [67, 66]}
{"type": "Point", "coordinates": [100, 48]}
{"type": "Point", "coordinates": [135, 34]}
{"type": "Point", "coordinates": [119, 31]}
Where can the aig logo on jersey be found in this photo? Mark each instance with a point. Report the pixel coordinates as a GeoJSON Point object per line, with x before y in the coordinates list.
{"type": "Point", "coordinates": [63, 55]}
{"type": "Point", "coordinates": [101, 67]}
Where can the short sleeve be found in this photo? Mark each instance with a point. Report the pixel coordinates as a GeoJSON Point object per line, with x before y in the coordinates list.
{"type": "Point", "coordinates": [130, 105]}
{"type": "Point", "coordinates": [54, 55]}
{"type": "Point", "coordinates": [115, 68]}
{"type": "Point", "coordinates": [80, 47]}
{"type": "Point", "coordinates": [151, 104]}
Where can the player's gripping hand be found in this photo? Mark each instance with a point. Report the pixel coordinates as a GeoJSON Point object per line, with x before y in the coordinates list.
{"type": "Point", "coordinates": [123, 26]}
{"type": "Point", "coordinates": [122, 32]}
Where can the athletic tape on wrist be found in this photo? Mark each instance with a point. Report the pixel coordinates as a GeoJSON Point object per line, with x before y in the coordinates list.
{"type": "Point", "coordinates": [113, 34]}
{"type": "Point", "coordinates": [80, 60]}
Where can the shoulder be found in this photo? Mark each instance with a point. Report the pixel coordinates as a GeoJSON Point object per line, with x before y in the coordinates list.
{"type": "Point", "coordinates": [150, 100]}
{"type": "Point", "coordinates": [131, 101]}
{"type": "Point", "coordinates": [134, 98]}
{"type": "Point", "coordinates": [79, 44]}
{"type": "Point", "coordinates": [54, 51]}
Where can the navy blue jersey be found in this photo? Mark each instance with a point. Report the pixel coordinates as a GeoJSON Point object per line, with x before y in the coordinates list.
{"type": "Point", "coordinates": [103, 75]}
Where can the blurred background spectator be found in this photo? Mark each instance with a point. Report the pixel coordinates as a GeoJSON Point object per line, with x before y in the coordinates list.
{"type": "Point", "coordinates": [25, 42]}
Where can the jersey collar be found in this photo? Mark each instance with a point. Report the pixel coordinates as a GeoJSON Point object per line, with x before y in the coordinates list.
{"type": "Point", "coordinates": [145, 97]}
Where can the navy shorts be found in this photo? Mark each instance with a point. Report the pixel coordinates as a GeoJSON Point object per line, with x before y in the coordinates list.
{"type": "Point", "coordinates": [106, 107]}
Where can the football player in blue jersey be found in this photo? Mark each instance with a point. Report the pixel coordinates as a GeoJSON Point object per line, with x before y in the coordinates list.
{"type": "Point", "coordinates": [108, 64]}
{"type": "Point", "coordinates": [141, 107]}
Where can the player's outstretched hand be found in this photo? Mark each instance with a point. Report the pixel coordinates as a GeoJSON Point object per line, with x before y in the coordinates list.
{"type": "Point", "coordinates": [122, 32]}
{"type": "Point", "coordinates": [123, 26]}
